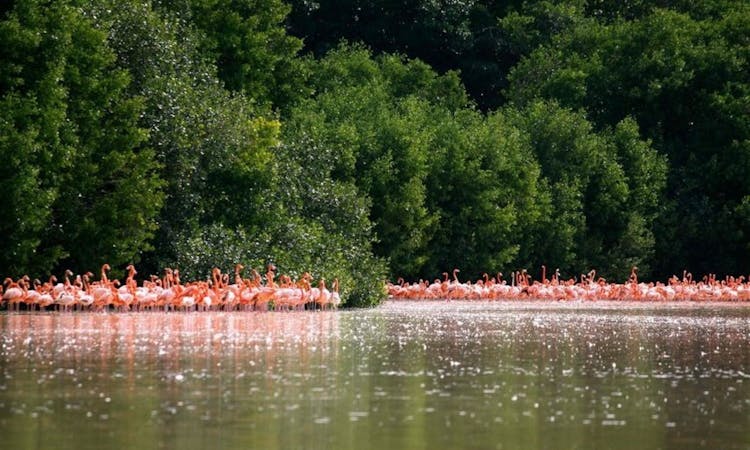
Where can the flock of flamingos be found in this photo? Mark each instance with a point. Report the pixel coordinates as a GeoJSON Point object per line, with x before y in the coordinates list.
{"type": "Point", "coordinates": [169, 293]}
{"type": "Point", "coordinates": [588, 287]}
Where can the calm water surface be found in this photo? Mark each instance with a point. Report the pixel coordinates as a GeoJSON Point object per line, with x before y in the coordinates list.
{"type": "Point", "coordinates": [430, 375]}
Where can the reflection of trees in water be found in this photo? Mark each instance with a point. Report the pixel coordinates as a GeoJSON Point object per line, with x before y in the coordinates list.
{"type": "Point", "coordinates": [267, 378]}
{"type": "Point", "coordinates": [549, 343]}
{"type": "Point", "coordinates": [523, 368]}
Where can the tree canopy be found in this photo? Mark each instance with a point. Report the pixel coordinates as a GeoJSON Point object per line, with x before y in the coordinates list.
{"type": "Point", "coordinates": [370, 140]}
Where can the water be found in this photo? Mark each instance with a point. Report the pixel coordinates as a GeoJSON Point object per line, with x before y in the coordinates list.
{"type": "Point", "coordinates": [429, 375]}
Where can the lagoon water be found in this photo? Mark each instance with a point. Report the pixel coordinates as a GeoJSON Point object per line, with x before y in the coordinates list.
{"type": "Point", "coordinates": [406, 375]}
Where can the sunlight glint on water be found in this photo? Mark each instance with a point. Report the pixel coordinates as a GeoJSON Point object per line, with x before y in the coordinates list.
{"type": "Point", "coordinates": [429, 375]}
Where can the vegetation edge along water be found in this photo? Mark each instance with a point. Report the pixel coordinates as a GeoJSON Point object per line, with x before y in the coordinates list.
{"type": "Point", "coordinates": [365, 141]}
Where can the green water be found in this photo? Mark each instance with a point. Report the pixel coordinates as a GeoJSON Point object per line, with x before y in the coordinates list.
{"type": "Point", "coordinates": [430, 375]}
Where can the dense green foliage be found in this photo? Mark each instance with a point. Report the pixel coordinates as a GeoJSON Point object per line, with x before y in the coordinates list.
{"type": "Point", "coordinates": [481, 135]}
{"type": "Point", "coordinates": [76, 156]}
{"type": "Point", "coordinates": [685, 81]}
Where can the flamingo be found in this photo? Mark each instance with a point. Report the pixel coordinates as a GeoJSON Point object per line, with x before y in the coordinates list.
{"type": "Point", "coordinates": [335, 297]}
{"type": "Point", "coordinates": [33, 296]}
{"type": "Point", "coordinates": [185, 298]}
{"type": "Point", "coordinates": [14, 292]}
{"type": "Point", "coordinates": [85, 298]}
{"type": "Point", "coordinates": [324, 298]}
{"type": "Point", "coordinates": [105, 269]}
{"type": "Point", "coordinates": [456, 290]}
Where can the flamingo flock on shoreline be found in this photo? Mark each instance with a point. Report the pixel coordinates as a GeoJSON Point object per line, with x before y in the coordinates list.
{"type": "Point", "coordinates": [588, 287]}
{"type": "Point", "coordinates": [169, 293]}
